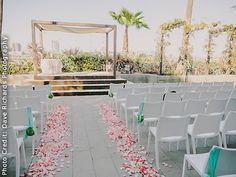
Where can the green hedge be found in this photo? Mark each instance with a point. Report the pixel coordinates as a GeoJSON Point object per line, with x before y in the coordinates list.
{"type": "Point", "coordinates": [142, 63]}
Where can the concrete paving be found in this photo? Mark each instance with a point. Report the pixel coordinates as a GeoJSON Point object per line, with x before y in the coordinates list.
{"type": "Point", "coordinates": [94, 155]}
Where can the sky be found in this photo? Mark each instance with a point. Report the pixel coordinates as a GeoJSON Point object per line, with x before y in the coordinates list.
{"type": "Point", "coordinates": [19, 13]}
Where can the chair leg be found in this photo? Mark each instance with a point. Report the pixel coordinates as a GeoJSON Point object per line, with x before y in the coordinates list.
{"type": "Point", "coordinates": [149, 139]}
{"type": "Point", "coordinates": [187, 145]}
{"type": "Point", "coordinates": [193, 145]}
{"type": "Point", "coordinates": [33, 144]}
{"type": "Point", "coordinates": [224, 140]}
{"type": "Point", "coordinates": [22, 152]}
{"type": "Point", "coordinates": [219, 140]}
{"type": "Point", "coordinates": [184, 167]}
{"type": "Point", "coordinates": [126, 117]}
{"type": "Point", "coordinates": [157, 154]}
{"type": "Point", "coordinates": [17, 164]}
{"type": "Point", "coordinates": [138, 130]}
{"type": "Point", "coordinates": [205, 142]}
{"type": "Point", "coordinates": [177, 145]}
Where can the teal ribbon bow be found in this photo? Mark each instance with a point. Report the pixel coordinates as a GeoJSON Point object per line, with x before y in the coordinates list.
{"type": "Point", "coordinates": [30, 130]}
{"type": "Point", "coordinates": [212, 162]}
{"type": "Point", "coordinates": [140, 113]}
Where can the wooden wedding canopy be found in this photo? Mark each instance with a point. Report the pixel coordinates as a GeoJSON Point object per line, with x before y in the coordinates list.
{"type": "Point", "coordinates": [73, 27]}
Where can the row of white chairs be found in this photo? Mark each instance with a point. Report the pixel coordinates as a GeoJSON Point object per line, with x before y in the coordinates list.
{"type": "Point", "coordinates": [176, 129]}
{"type": "Point", "coordinates": [29, 87]}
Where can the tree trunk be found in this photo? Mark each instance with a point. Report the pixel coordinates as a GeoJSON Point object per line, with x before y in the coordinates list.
{"type": "Point", "coordinates": [209, 48]}
{"type": "Point", "coordinates": [125, 41]}
{"type": "Point", "coordinates": [183, 59]}
{"type": "Point", "coordinates": [1, 16]}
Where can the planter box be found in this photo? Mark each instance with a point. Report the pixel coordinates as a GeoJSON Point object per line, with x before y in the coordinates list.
{"type": "Point", "coordinates": [51, 66]}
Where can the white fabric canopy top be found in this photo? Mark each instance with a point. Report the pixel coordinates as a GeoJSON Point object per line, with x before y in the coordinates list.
{"type": "Point", "coordinates": [72, 27]}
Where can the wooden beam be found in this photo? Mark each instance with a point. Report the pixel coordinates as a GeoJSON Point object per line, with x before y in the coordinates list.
{"type": "Point", "coordinates": [72, 24]}
{"type": "Point", "coordinates": [114, 51]}
{"type": "Point", "coordinates": [34, 54]}
{"type": "Point", "coordinates": [107, 37]}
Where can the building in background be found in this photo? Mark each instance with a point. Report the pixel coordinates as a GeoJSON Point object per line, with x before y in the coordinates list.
{"type": "Point", "coordinates": [16, 47]}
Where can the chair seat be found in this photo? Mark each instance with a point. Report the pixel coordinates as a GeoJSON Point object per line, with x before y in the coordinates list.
{"type": "Point", "coordinates": [150, 119]}
{"type": "Point", "coordinates": [167, 139]}
{"type": "Point", "coordinates": [231, 132]}
{"type": "Point", "coordinates": [20, 128]}
{"type": "Point", "coordinates": [202, 135]}
{"type": "Point", "coordinates": [198, 161]}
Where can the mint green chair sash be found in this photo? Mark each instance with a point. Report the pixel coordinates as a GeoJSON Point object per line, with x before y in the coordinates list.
{"type": "Point", "coordinates": [30, 130]}
{"type": "Point", "coordinates": [110, 94]}
{"type": "Point", "coordinates": [140, 113]}
{"type": "Point", "coordinates": [212, 162]}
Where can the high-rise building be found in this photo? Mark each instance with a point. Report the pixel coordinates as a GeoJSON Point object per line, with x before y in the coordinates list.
{"type": "Point", "coordinates": [16, 47]}
{"type": "Point", "coordinates": [55, 46]}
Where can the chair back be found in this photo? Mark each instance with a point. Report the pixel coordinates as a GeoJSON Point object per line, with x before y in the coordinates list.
{"type": "Point", "coordinates": [190, 95]}
{"type": "Point", "coordinates": [231, 105]}
{"type": "Point", "coordinates": [139, 90]}
{"type": "Point", "coordinates": [33, 102]}
{"type": "Point", "coordinates": [173, 97]}
{"type": "Point", "coordinates": [157, 90]}
{"type": "Point", "coordinates": [18, 117]}
{"type": "Point", "coordinates": [43, 87]}
{"type": "Point", "coordinates": [124, 92]}
{"type": "Point", "coordinates": [151, 109]}
{"type": "Point", "coordinates": [173, 108]}
{"type": "Point", "coordinates": [221, 162]}
{"type": "Point", "coordinates": [134, 100]}
{"type": "Point", "coordinates": [154, 97]}
{"type": "Point", "coordinates": [172, 127]}
{"type": "Point", "coordinates": [223, 94]}
{"type": "Point", "coordinates": [216, 105]}
{"type": "Point", "coordinates": [195, 107]}
{"type": "Point", "coordinates": [207, 123]}
{"type": "Point", "coordinates": [230, 123]}
{"type": "Point", "coordinates": [12, 146]}
{"type": "Point", "coordinates": [43, 94]}
{"type": "Point", "coordinates": [207, 95]}
{"type": "Point", "coordinates": [16, 93]}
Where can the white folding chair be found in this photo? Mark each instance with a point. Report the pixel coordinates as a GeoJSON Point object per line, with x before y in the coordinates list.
{"type": "Point", "coordinates": [195, 107]}
{"type": "Point", "coordinates": [15, 148]}
{"type": "Point", "coordinates": [154, 97]}
{"type": "Point", "coordinates": [215, 105]}
{"type": "Point", "coordinates": [43, 87]}
{"type": "Point", "coordinates": [114, 87]}
{"type": "Point", "coordinates": [122, 94]}
{"type": "Point", "coordinates": [224, 167]}
{"type": "Point", "coordinates": [174, 108]}
{"type": "Point", "coordinates": [152, 111]}
{"type": "Point", "coordinates": [228, 127]}
{"type": "Point", "coordinates": [131, 104]}
{"type": "Point", "coordinates": [190, 96]}
{"type": "Point", "coordinates": [205, 126]}
{"type": "Point", "coordinates": [231, 105]}
{"type": "Point", "coordinates": [169, 130]}
{"type": "Point", "coordinates": [19, 120]}
{"type": "Point", "coordinates": [37, 108]}
{"type": "Point", "coordinates": [173, 97]}
{"type": "Point", "coordinates": [207, 95]}
{"type": "Point", "coordinates": [223, 94]}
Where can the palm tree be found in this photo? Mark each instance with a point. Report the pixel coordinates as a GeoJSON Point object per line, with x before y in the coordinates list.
{"type": "Point", "coordinates": [128, 18]}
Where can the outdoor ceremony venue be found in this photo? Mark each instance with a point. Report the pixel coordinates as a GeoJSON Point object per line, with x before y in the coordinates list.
{"type": "Point", "coordinates": [118, 88]}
